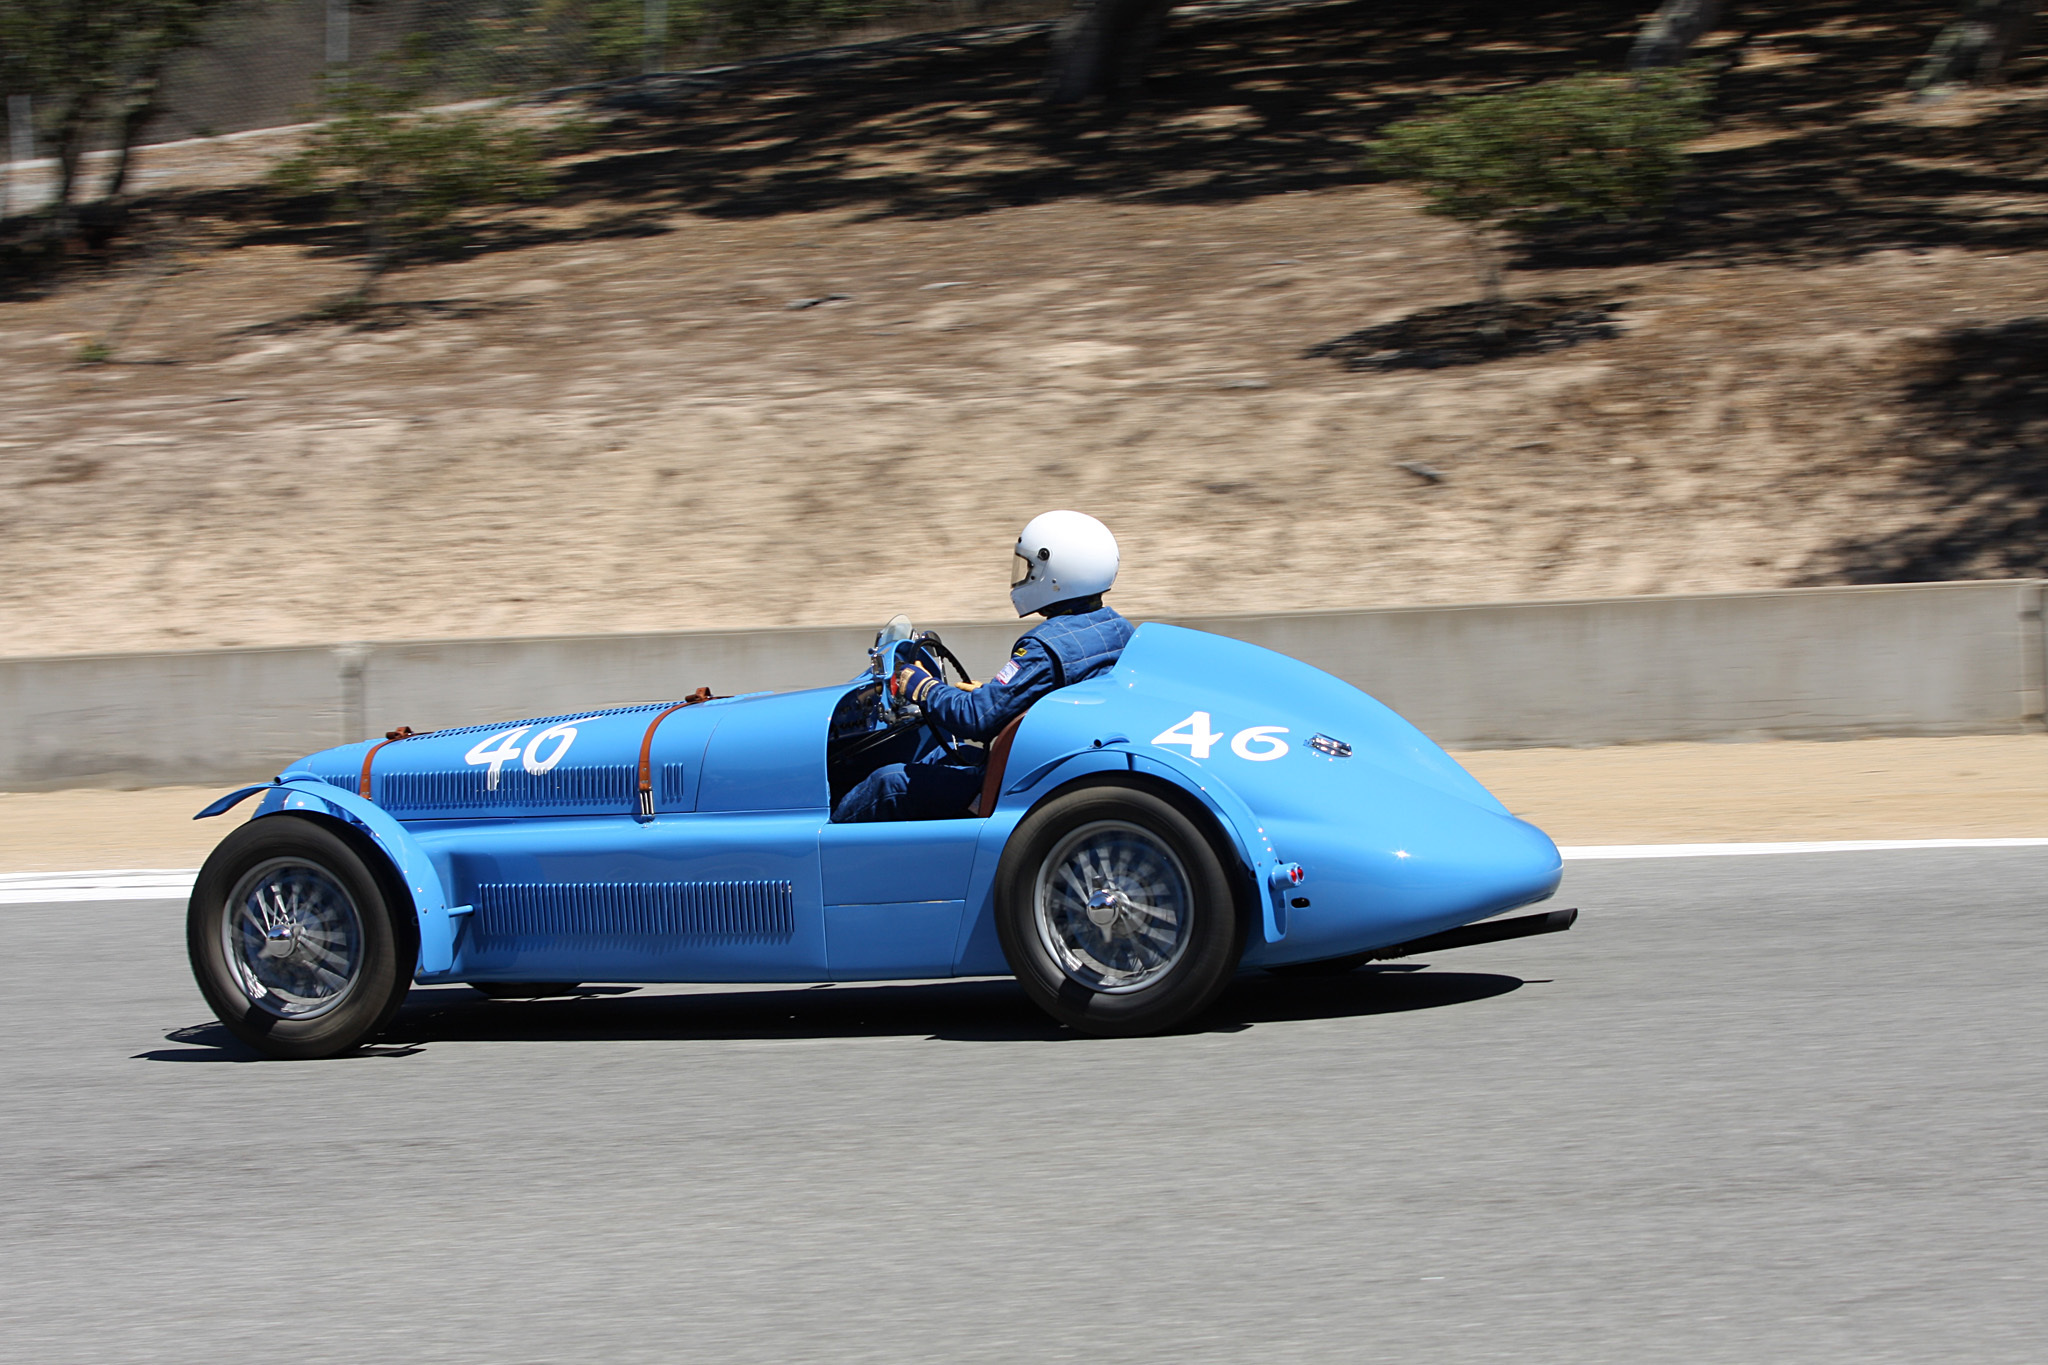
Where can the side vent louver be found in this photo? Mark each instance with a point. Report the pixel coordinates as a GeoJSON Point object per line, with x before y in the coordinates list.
{"type": "Point", "coordinates": [565, 791]}
{"type": "Point", "coordinates": [518, 914]}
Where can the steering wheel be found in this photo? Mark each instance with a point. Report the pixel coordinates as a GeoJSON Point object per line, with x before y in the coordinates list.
{"type": "Point", "coordinates": [914, 651]}
{"type": "Point", "coordinates": [896, 647]}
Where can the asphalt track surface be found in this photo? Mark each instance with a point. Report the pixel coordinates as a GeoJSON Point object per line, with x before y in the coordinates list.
{"type": "Point", "coordinates": [1771, 1109]}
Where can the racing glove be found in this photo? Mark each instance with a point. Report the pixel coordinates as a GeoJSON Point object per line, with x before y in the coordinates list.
{"type": "Point", "coordinates": [912, 681]}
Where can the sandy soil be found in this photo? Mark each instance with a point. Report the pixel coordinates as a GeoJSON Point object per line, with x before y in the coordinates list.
{"type": "Point", "coordinates": [93, 830]}
{"type": "Point", "coordinates": [1974, 787]}
{"type": "Point", "coordinates": [809, 349]}
{"type": "Point", "coordinates": [1979, 787]}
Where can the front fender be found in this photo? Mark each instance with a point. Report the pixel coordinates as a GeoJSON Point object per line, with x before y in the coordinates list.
{"type": "Point", "coordinates": [437, 919]}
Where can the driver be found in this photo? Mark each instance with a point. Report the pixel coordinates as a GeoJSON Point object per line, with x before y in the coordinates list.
{"type": "Point", "coordinates": [1065, 562]}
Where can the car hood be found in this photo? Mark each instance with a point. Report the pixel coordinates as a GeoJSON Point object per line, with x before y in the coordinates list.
{"type": "Point", "coordinates": [587, 762]}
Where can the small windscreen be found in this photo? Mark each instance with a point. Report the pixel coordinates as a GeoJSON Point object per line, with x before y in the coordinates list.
{"type": "Point", "coordinates": [896, 630]}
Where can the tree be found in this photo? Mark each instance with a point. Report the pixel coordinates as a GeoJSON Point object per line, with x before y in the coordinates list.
{"type": "Point", "coordinates": [97, 60]}
{"type": "Point", "coordinates": [59, 50]}
{"type": "Point", "coordinates": [1582, 147]}
{"type": "Point", "coordinates": [404, 175]}
{"type": "Point", "coordinates": [169, 27]}
{"type": "Point", "coordinates": [1099, 50]}
{"type": "Point", "coordinates": [1974, 49]}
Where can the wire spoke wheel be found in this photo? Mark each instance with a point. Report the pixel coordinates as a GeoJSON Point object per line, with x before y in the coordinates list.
{"type": "Point", "coordinates": [292, 938]}
{"type": "Point", "coordinates": [1113, 907]}
{"type": "Point", "coordinates": [301, 939]}
{"type": "Point", "coordinates": [1116, 910]}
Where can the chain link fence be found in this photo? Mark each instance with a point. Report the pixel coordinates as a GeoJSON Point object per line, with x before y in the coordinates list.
{"type": "Point", "coordinates": [261, 63]}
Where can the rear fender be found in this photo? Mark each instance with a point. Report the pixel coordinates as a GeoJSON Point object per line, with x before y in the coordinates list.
{"type": "Point", "coordinates": [1229, 812]}
{"type": "Point", "coordinates": [310, 795]}
{"type": "Point", "coordinates": [1238, 822]}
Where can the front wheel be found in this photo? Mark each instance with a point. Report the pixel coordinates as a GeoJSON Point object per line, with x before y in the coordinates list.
{"type": "Point", "coordinates": [1116, 913]}
{"type": "Point", "coordinates": [294, 940]}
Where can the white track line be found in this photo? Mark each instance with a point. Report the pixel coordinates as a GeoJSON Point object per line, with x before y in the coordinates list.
{"type": "Point", "coordinates": [1596, 852]}
{"type": "Point", "coordinates": [148, 884]}
{"type": "Point", "coordinates": [157, 884]}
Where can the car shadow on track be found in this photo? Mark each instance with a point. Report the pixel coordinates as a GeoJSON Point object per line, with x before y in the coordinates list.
{"type": "Point", "coordinates": [980, 1010]}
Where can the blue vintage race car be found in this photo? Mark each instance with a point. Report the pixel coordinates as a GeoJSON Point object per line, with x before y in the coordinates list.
{"type": "Point", "coordinates": [1207, 805]}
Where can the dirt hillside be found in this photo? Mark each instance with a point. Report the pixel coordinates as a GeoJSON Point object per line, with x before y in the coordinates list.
{"type": "Point", "coordinates": [808, 344]}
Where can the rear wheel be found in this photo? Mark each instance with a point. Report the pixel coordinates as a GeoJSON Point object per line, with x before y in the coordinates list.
{"type": "Point", "coordinates": [1116, 913]}
{"type": "Point", "coordinates": [294, 941]}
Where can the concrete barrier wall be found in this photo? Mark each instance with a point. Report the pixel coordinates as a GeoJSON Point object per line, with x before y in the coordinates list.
{"type": "Point", "coordinates": [1922, 659]}
{"type": "Point", "coordinates": [155, 719]}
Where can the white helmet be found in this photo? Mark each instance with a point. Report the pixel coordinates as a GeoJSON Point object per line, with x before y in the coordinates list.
{"type": "Point", "coordinates": [1061, 556]}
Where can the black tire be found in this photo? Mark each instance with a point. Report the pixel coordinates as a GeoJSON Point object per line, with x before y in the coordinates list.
{"type": "Point", "coordinates": [1119, 979]}
{"type": "Point", "coordinates": [344, 937]}
{"type": "Point", "coordinates": [523, 990]}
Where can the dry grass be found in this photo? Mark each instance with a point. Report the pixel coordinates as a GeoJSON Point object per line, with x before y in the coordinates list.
{"type": "Point", "coordinates": [607, 415]}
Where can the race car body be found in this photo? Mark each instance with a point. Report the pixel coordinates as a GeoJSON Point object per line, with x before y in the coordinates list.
{"type": "Point", "coordinates": [1206, 805]}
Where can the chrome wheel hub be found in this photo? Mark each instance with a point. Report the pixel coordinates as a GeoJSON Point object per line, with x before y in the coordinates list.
{"type": "Point", "coordinates": [292, 938]}
{"type": "Point", "coordinates": [1104, 906]}
{"type": "Point", "coordinates": [1113, 907]}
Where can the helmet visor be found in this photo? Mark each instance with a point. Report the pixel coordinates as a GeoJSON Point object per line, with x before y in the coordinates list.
{"type": "Point", "coordinates": [1020, 569]}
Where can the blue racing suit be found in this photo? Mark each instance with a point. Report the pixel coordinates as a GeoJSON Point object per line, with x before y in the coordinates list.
{"type": "Point", "coordinates": [1068, 647]}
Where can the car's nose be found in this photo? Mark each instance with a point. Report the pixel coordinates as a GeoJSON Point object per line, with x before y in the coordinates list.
{"type": "Point", "coordinates": [1417, 866]}
{"type": "Point", "coordinates": [1463, 863]}
{"type": "Point", "coordinates": [1497, 862]}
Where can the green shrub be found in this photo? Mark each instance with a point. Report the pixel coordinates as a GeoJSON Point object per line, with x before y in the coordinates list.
{"type": "Point", "coordinates": [406, 176]}
{"type": "Point", "coordinates": [1581, 147]}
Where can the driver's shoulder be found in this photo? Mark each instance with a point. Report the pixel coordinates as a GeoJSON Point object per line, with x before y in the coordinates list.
{"type": "Point", "coordinates": [1030, 654]}
{"type": "Point", "coordinates": [1071, 623]}
{"type": "Point", "coordinates": [1104, 623]}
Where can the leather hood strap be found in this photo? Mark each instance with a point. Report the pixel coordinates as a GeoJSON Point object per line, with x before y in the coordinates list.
{"type": "Point", "coordinates": [702, 694]}
{"type": "Point", "coordinates": [391, 737]}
